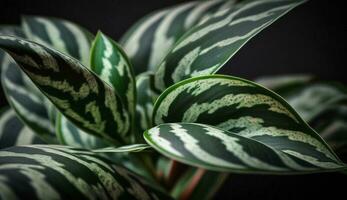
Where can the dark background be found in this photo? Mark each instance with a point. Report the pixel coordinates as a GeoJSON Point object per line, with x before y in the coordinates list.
{"type": "Point", "coordinates": [310, 39]}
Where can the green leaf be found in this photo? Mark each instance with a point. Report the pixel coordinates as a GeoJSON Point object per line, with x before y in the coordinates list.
{"type": "Point", "coordinates": [146, 96]}
{"type": "Point", "coordinates": [79, 94]}
{"type": "Point", "coordinates": [111, 64]}
{"type": "Point", "coordinates": [151, 38]}
{"type": "Point", "coordinates": [249, 113]}
{"type": "Point", "coordinates": [28, 105]}
{"type": "Point", "coordinates": [313, 98]}
{"type": "Point", "coordinates": [69, 134]}
{"type": "Point", "coordinates": [24, 97]}
{"type": "Point", "coordinates": [283, 82]}
{"type": "Point", "coordinates": [208, 46]}
{"type": "Point", "coordinates": [331, 124]}
{"type": "Point", "coordinates": [124, 149]}
{"type": "Point", "coordinates": [8, 30]}
{"type": "Point", "coordinates": [13, 132]}
{"type": "Point", "coordinates": [211, 148]}
{"type": "Point", "coordinates": [321, 104]}
{"type": "Point", "coordinates": [61, 172]}
{"type": "Point", "coordinates": [59, 34]}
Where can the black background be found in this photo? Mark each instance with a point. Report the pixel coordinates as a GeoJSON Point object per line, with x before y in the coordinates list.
{"type": "Point", "coordinates": [310, 39]}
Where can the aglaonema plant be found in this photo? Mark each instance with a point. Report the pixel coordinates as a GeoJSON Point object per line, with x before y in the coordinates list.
{"type": "Point", "coordinates": [89, 120]}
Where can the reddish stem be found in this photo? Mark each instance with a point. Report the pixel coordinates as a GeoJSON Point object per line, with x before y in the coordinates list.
{"type": "Point", "coordinates": [192, 185]}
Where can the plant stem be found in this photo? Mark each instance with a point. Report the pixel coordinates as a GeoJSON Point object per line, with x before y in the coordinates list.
{"type": "Point", "coordinates": [193, 183]}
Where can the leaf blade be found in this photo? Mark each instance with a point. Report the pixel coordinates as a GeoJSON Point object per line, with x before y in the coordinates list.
{"type": "Point", "coordinates": [72, 173]}
{"type": "Point", "coordinates": [149, 40]}
{"type": "Point", "coordinates": [207, 47]}
{"type": "Point", "coordinates": [13, 132]}
{"type": "Point", "coordinates": [63, 35]}
{"type": "Point", "coordinates": [110, 62]}
{"type": "Point", "coordinates": [243, 107]}
{"type": "Point", "coordinates": [226, 151]}
{"type": "Point", "coordinates": [71, 83]}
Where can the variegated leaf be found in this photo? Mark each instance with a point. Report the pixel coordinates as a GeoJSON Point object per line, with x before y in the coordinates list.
{"type": "Point", "coordinates": [124, 149]}
{"type": "Point", "coordinates": [313, 98]}
{"type": "Point", "coordinates": [28, 105]}
{"type": "Point", "coordinates": [61, 172]}
{"type": "Point", "coordinates": [69, 134]}
{"type": "Point", "coordinates": [321, 104]}
{"type": "Point", "coordinates": [24, 97]}
{"type": "Point", "coordinates": [215, 149]}
{"type": "Point", "coordinates": [146, 96]}
{"type": "Point", "coordinates": [79, 94]}
{"type": "Point", "coordinates": [59, 34]}
{"type": "Point", "coordinates": [246, 109]}
{"type": "Point", "coordinates": [8, 30]}
{"type": "Point", "coordinates": [331, 124]}
{"type": "Point", "coordinates": [150, 39]}
{"type": "Point", "coordinates": [282, 82]}
{"type": "Point", "coordinates": [111, 64]}
{"type": "Point", "coordinates": [208, 46]}
{"type": "Point", "coordinates": [13, 132]}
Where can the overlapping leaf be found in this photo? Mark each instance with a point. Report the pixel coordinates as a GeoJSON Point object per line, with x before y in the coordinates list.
{"type": "Point", "coordinates": [59, 34]}
{"type": "Point", "coordinates": [249, 115]}
{"type": "Point", "coordinates": [208, 46]}
{"type": "Point", "coordinates": [60, 172]}
{"type": "Point", "coordinates": [27, 104]}
{"type": "Point", "coordinates": [62, 35]}
{"type": "Point", "coordinates": [144, 104]}
{"type": "Point", "coordinates": [24, 97]}
{"type": "Point", "coordinates": [150, 39]}
{"type": "Point", "coordinates": [8, 30]}
{"type": "Point", "coordinates": [111, 64]}
{"type": "Point", "coordinates": [321, 104]}
{"type": "Point", "coordinates": [79, 94]}
{"type": "Point", "coordinates": [13, 132]}
{"type": "Point", "coordinates": [313, 98]}
{"type": "Point", "coordinates": [69, 134]}
{"type": "Point", "coordinates": [331, 124]}
{"type": "Point", "coordinates": [124, 149]}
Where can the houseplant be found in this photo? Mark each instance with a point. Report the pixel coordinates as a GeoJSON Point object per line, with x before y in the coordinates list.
{"type": "Point", "coordinates": [246, 128]}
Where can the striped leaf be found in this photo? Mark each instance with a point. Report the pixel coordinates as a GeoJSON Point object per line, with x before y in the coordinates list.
{"type": "Point", "coordinates": [146, 96]}
{"type": "Point", "coordinates": [60, 172]}
{"type": "Point", "coordinates": [111, 64]}
{"type": "Point", "coordinates": [215, 149]}
{"type": "Point", "coordinates": [150, 39]}
{"type": "Point", "coordinates": [24, 97]}
{"type": "Point", "coordinates": [283, 82]}
{"type": "Point", "coordinates": [62, 35]}
{"type": "Point", "coordinates": [59, 34]}
{"type": "Point", "coordinates": [313, 98]}
{"type": "Point", "coordinates": [8, 30]}
{"type": "Point", "coordinates": [321, 104]}
{"type": "Point", "coordinates": [79, 94]}
{"type": "Point", "coordinates": [331, 124]}
{"type": "Point", "coordinates": [28, 105]}
{"type": "Point", "coordinates": [245, 109]}
{"type": "Point", "coordinates": [124, 149]}
{"type": "Point", "coordinates": [13, 132]}
{"type": "Point", "coordinates": [69, 134]}
{"type": "Point", "coordinates": [207, 47]}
